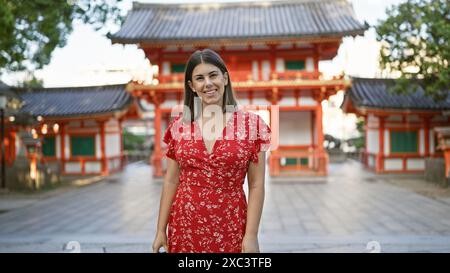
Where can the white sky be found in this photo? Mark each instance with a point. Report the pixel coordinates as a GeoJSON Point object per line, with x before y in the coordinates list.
{"type": "Point", "coordinates": [89, 58]}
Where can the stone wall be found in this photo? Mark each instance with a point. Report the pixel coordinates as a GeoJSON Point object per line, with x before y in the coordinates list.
{"type": "Point", "coordinates": [435, 171]}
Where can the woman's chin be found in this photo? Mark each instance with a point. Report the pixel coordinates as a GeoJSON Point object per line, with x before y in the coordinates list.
{"type": "Point", "coordinates": [211, 101]}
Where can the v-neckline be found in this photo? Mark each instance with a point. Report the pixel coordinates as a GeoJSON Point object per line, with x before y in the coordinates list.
{"type": "Point", "coordinates": [217, 139]}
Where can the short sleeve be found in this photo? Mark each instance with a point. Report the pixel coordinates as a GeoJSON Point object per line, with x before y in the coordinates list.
{"type": "Point", "coordinates": [169, 140]}
{"type": "Point", "coordinates": [262, 141]}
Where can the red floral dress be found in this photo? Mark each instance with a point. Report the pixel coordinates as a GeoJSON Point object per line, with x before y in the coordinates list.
{"type": "Point", "coordinates": [209, 210]}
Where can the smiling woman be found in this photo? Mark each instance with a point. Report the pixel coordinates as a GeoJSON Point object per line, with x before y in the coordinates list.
{"type": "Point", "coordinates": [207, 78]}
{"type": "Point", "coordinates": [203, 206]}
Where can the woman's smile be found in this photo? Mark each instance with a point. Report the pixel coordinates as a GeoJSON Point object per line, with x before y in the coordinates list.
{"type": "Point", "coordinates": [211, 93]}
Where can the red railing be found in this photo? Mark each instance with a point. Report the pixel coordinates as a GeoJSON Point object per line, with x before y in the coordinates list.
{"type": "Point", "coordinates": [243, 76]}
{"type": "Point", "coordinates": [317, 162]}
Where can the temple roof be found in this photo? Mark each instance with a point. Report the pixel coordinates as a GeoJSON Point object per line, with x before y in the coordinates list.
{"type": "Point", "coordinates": [74, 101]}
{"type": "Point", "coordinates": [237, 21]}
{"type": "Point", "coordinates": [374, 93]}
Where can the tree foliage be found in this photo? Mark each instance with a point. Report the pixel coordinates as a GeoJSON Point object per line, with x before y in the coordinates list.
{"type": "Point", "coordinates": [31, 30]}
{"type": "Point", "coordinates": [415, 42]}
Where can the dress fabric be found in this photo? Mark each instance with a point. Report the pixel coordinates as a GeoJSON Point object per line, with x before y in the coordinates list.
{"type": "Point", "coordinates": [209, 210]}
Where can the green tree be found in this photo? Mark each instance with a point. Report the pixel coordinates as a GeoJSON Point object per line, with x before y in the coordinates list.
{"type": "Point", "coordinates": [415, 42]}
{"type": "Point", "coordinates": [31, 81]}
{"type": "Point", "coordinates": [31, 30]}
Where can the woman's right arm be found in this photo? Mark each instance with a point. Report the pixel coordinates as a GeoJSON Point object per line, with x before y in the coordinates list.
{"type": "Point", "coordinates": [170, 185]}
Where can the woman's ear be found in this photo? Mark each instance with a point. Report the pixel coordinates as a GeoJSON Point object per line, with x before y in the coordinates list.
{"type": "Point", "coordinates": [191, 86]}
{"type": "Point", "coordinates": [225, 77]}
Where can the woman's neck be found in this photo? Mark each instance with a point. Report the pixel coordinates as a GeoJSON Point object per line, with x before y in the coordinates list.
{"type": "Point", "coordinates": [210, 110]}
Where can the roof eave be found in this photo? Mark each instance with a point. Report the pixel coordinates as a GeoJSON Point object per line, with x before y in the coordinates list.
{"type": "Point", "coordinates": [100, 114]}
{"type": "Point", "coordinates": [389, 110]}
{"type": "Point", "coordinates": [239, 40]}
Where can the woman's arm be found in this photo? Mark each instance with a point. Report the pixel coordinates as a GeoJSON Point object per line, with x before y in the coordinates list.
{"type": "Point", "coordinates": [256, 173]}
{"type": "Point", "coordinates": [170, 185]}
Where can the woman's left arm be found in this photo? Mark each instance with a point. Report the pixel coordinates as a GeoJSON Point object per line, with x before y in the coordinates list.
{"type": "Point", "coordinates": [256, 174]}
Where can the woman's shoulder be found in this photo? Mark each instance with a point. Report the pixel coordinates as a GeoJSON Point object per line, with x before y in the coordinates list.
{"type": "Point", "coordinates": [176, 119]}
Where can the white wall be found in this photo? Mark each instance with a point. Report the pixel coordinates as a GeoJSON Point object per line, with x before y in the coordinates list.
{"type": "Point", "coordinates": [265, 70]}
{"type": "Point", "coordinates": [373, 141]}
{"type": "Point", "coordinates": [111, 125]}
{"type": "Point", "coordinates": [287, 101]}
{"type": "Point", "coordinates": [431, 138]}
{"type": "Point", "coordinates": [73, 167]}
{"type": "Point", "coordinates": [58, 146]}
{"type": "Point", "coordinates": [393, 164]}
{"type": "Point", "coordinates": [296, 128]}
{"type": "Point", "coordinates": [387, 140]}
{"type": "Point", "coordinates": [309, 65]}
{"type": "Point", "coordinates": [165, 69]}
{"type": "Point", "coordinates": [307, 101]}
{"type": "Point", "coordinates": [93, 167]}
{"type": "Point", "coordinates": [279, 65]}
{"type": "Point", "coordinates": [98, 146]}
{"type": "Point", "coordinates": [421, 141]}
{"type": "Point", "coordinates": [260, 101]}
{"type": "Point", "coordinates": [169, 103]}
{"type": "Point", "coordinates": [255, 70]}
{"type": "Point", "coordinates": [112, 145]}
{"type": "Point", "coordinates": [372, 121]}
{"type": "Point", "coordinates": [67, 146]}
{"type": "Point", "coordinates": [243, 101]}
{"type": "Point", "coordinates": [415, 164]}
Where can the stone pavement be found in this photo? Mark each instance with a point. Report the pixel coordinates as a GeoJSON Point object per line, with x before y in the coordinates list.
{"type": "Point", "coordinates": [351, 210]}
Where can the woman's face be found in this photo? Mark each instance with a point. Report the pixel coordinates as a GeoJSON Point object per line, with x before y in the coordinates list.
{"type": "Point", "coordinates": [209, 83]}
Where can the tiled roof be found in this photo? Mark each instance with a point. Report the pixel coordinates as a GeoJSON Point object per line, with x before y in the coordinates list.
{"type": "Point", "coordinates": [246, 20]}
{"type": "Point", "coordinates": [3, 86]}
{"type": "Point", "coordinates": [75, 101]}
{"type": "Point", "coordinates": [7, 91]}
{"type": "Point", "coordinates": [374, 93]}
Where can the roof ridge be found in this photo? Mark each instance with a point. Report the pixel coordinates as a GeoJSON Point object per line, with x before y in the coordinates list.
{"type": "Point", "coordinates": [142, 5]}
{"type": "Point", "coordinates": [371, 79]}
{"type": "Point", "coordinates": [68, 88]}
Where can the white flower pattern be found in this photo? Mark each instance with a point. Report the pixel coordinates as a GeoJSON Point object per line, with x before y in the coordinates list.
{"type": "Point", "coordinates": [209, 210]}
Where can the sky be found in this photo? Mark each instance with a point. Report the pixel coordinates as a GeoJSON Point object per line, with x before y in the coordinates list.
{"type": "Point", "coordinates": [89, 58]}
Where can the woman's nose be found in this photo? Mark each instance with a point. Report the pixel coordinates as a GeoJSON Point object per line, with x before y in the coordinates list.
{"type": "Point", "coordinates": [208, 82]}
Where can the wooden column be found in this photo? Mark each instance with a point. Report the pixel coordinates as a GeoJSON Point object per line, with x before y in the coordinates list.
{"type": "Point", "coordinates": [426, 134]}
{"type": "Point", "coordinates": [12, 145]}
{"type": "Point", "coordinates": [316, 58]}
{"type": "Point", "coordinates": [63, 147]}
{"type": "Point", "coordinates": [122, 159]}
{"type": "Point", "coordinates": [319, 127]}
{"type": "Point", "coordinates": [272, 59]}
{"type": "Point", "coordinates": [157, 153]}
{"type": "Point", "coordinates": [380, 156]}
{"type": "Point", "coordinates": [104, 160]}
{"type": "Point", "coordinates": [366, 152]}
{"type": "Point", "coordinates": [321, 157]}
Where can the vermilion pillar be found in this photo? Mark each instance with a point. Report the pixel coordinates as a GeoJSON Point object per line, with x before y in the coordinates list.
{"type": "Point", "coordinates": [104, 160]}
{"type": "Point", "coordinates": [157, 153]}
{"type": "Point", "coordinates": [380, 156]}
{"type": "Point", "coordinates": [426, 133]}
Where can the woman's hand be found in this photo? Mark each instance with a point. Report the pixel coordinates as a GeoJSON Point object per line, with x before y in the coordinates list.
{"type": "Point", "coordinates": [250, 244]}
{"type": "Point", "coordinates": [160, 241]}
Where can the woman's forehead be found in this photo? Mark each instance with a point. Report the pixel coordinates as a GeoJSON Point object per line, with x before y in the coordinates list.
{"type": "Point", "coordinates": [204, 69]}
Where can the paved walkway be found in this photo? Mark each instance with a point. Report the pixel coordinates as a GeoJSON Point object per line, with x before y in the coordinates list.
{"type": "Point", "coordinates": [340, 213]}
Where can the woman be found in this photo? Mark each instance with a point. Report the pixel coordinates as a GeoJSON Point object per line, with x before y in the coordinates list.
{"type": "Point", "coordinates": [202, 201]}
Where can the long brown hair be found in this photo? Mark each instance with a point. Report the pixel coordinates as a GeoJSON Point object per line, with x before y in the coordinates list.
{"type": "Point", "coordinates": [210, 57]}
